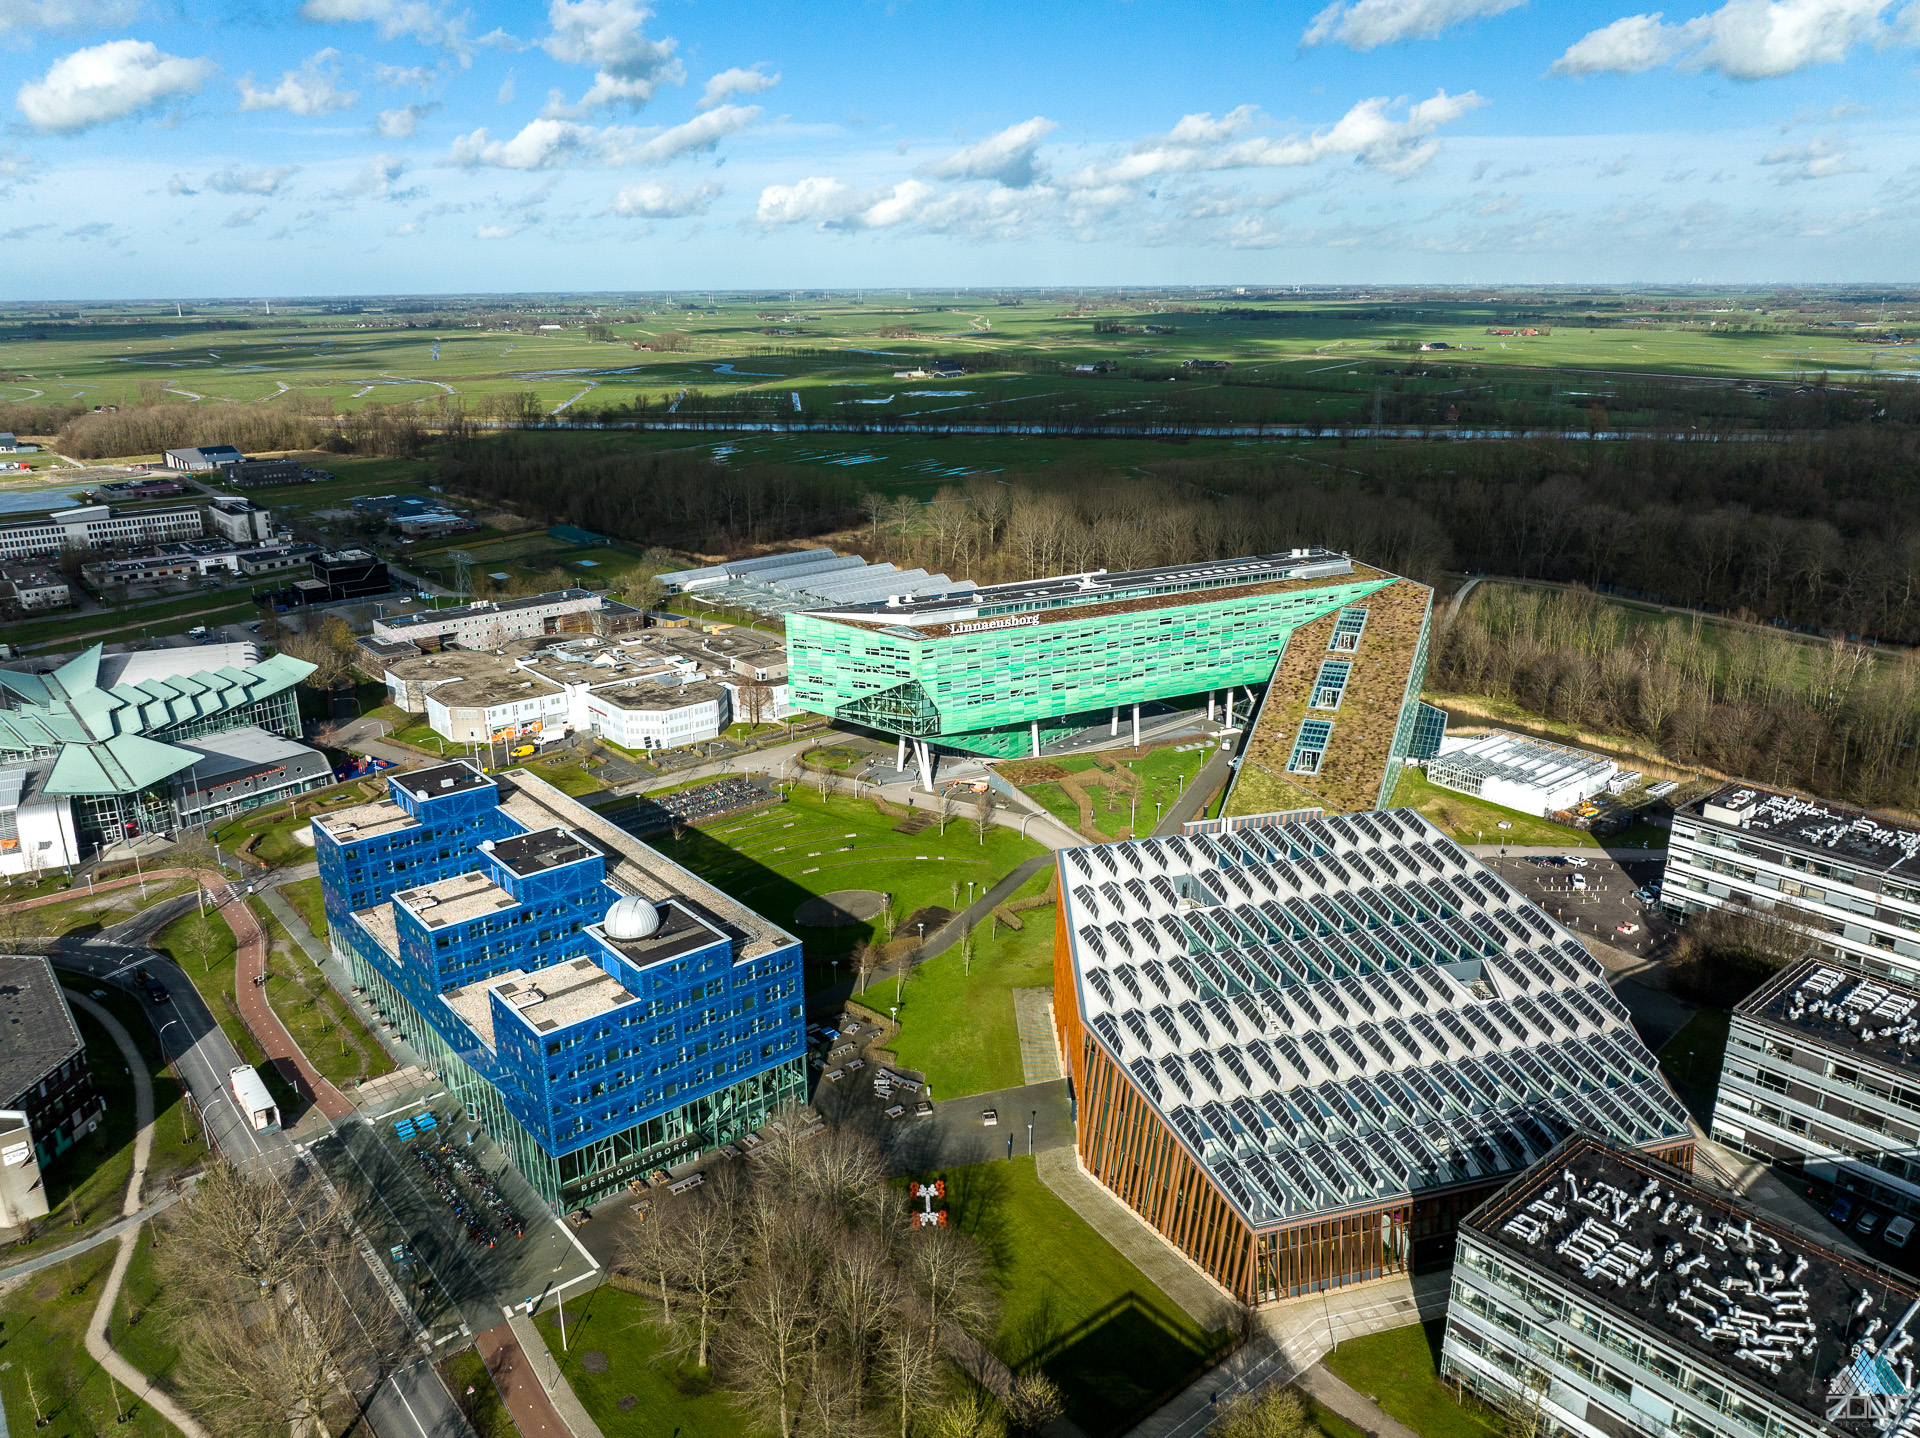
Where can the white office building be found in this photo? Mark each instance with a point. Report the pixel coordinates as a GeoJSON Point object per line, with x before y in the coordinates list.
{"type": "Point", "coordinates": [96, 526]}
{"type": "Point", "coordinates": [489, 623]}
{"type": "Point", "coordinates": [1849, 879]}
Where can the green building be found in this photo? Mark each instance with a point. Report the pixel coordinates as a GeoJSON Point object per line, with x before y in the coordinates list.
{"type": "Point", "coordinates": [1007, 670]}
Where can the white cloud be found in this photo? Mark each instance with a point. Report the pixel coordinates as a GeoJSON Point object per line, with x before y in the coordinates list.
{"type": "Point", "coordinates": [400, 124]}
{"type": "Point", "coordinates": [1368, 24]}
{"type": "Point", "coordinates": [651, 200]}
{"type": "Point", "coordinates": [243, 217]}
{"type": "Point", "coordinates": [107, 82]}
{"type": "Point", "coordinates": [422, 20]}
{"type": "Point", "coordinates": [629, 68]}
{"type": "Point", "coordinates": [308, 91]}
{"type": "Point", "coordinates": [1743, 39]}
{"type": "Point", "coordinates": [65, 15]}
{"type": "Point", "coordinates": [549, 144]}
{"type": "Point", "coordinates": [497, 232]}
{"type": "Point", "coordinates": [834, 205]}
{"type": "Point", "coordinates": [378, 179]}
{"type": "Point", "coordinates": [15, 168]}
{"type": "Point", "coordinates": [1007, 158]}
{"type": "Point", "coordinates": [505, 93]}
{"type": "Point", "coordinates": [1367, 133]}
{"type": "Point", "coordinates": [411, 227]}
{"type": "Point", "coordinates": [266, 180]}
{"type": "Point", "coordinates": [399, 77]}
{"type": "Point", "coordinates": [728, 83]}
{"type": "Point", "coordinates": [1819, 159]}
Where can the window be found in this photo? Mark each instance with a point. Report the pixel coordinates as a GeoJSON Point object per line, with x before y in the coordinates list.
{"type": "Point", "coordinates": [1347, 630]}
{"type": "Point", "coordinates": [1331, 684]}
{"type": "Point", "coordinates": [1311, 747]}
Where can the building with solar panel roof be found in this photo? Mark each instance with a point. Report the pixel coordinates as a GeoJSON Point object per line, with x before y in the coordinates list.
{"type": "Point", "coordinates": [1302, 1050]}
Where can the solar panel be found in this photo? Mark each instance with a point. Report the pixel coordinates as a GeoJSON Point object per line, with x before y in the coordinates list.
{"type": "Point", "coordinates": [1510, 923]}
{"type": "Point", "coordinates": [1121, 938]}
{"type": "Point", "coordinates": [1251, 1012]}
{"type": "Point", "coordinates": [1131, 853]}
{"type": "Point", "coordinates": [1538, 1025]}
{"type": "Point", "coordinates": [1633, 1098]}
{"type": "Point", "coordinates": [1542, 975]}
{"type": "Point", "coordinates": [1129, 980]}
{"type": "Point", "coordinates": [1078, 858]}
{"type": "Point", "coordinates": [1327, 1169]}
{"type": "Point", "coordinates": [1098, 981]}
{"type": "Point", "coordinates": [1263, 1060]}
{"type": "Point", "coordinates": [1344, 1041]}
{"type": "Point", "coordinates": [1176, 1073]}
{"type": "Point", "coordinates": [1389, 1159]}
{"type": "Point", "coordinates": [1535, 1072]}
{"type": "Point", "coordinates": [1136, 1023]}
{"type": "Point", "coordinates": [1260, 1170]}
{"type": "Point", "coordinates": [1356, 1159]}
{"type": "Point", "coordinates": [1468, 938]}
{"type": "Point", "coordinates": [1202, 1064]}
{"type": "Point", "coordinates": [1309, 870]}
{"type": "Point", "coordinates": [1090, 936]}
{"type": "Point", "coordinates": [1230, 1059]}
{"type": "Point", "coordinates": [1496, 937]}
{"type": "Point", "coordinates": [1404, 1037]}
{"type": "Point", "coordinates": [1554, 1009]}
{"type": "Point", "coordinates": [1298, 998]}
{"type": "Point", "coordinates": [1290, 1054]}
{"type": "Point", "coordinates": [1329, 996]}
{"type": "Point", "coordinates": [1568, 1075]}
{"type": "Point", "coordinates": [1511, 1079]}
{"type": "Point", "coordinates": [1422, 949]}
{"type": "Point", "coordinates": [1157, 976]}
{"type": "Point", "coordinates": [1482, 1025]}
{"type": "Point", "coordinates": [1163, 1016]}
{"type": "Point", "coordinates": [1150, 937]}
{"type": "Point", "coordinates": [1367, 1101]}
{"type": "Point", "coordinates": [1377, 1041]}
{"type": "Point", "coordinates": [1355, 912]}
{"type": "Point", "coordinates": [1539, 1137]}
{"type": "Point", "coordinates": [1280, 1116]}
{"type": "Point", "coordinates": [1297, 1174]}
{"type": "Point", "coordinates": [1103, 1025]}
{"type": "Point", "coordinates": [1446, 1077]}
{"type": "Point", "coordinates": [1421, 1082]}
{"type": "Point", "coordinates": [1428, 1030]}
{"type": "Point", "coordinates": [1223, 1015]}
{"type": "Point", "coordinates": [1510, 1021]}
{"type": "Point", "coordinates": [1584, 1007]}
{"type": "Point", "coordinates": [1623, 1121]}
{"type": "Point", "coordinates": [1149, 1080]}
{"type": "Point", "coordinates": [1187, 1124]}
{"type": "Point", "coordinates": [1333, 1100]}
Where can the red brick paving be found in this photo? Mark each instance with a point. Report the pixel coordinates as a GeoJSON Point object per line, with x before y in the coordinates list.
{"type": "Point", "coordinates": [520, 1388]}
{"type": "Point", "coordinates": [250, 942]}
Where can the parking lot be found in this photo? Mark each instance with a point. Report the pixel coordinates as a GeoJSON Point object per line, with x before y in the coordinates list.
{"type": "Point", "coordinates": [1594, 896]}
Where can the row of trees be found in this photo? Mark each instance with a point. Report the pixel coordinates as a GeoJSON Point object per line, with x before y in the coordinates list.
{"type": "Point", "coordinates": [802, 1283]}
{"type": "Point", "coordinates": [1823, 716]}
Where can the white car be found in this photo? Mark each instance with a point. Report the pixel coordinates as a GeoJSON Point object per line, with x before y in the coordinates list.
{"type": "Point", "coordinates": [1577, 863]}
{"type": "Point", "coordinates": [1898, 1232]}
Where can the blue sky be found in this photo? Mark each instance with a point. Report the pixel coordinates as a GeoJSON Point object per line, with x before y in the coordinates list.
{"type": "Point", "coordinates": [289, 147]}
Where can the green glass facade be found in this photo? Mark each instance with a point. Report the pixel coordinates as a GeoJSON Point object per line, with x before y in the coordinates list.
{"type": "Point", "coordinates": [981, 691]}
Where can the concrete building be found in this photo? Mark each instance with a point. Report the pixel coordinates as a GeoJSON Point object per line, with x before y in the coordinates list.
{"type": "Point", "coordinates": [151, 488]}
{"type": "Point", "coordinates": [1616, 1297]}
{"type": "Point", "coordinates": [191, 559]}
{"type": "Point", "coordinates": [37, 834]}
{"type": "Point", "coordinates": [777, 584]}
{"type": "Point", "coordinates": [339, 574]}
{"type": "Point", "coordinates": [107, 736]}
{"type": "Point", "coordinates": [11, 445]}
{"type": "Point", "coordinates": [489, 623]}
{"type": "Point", "coordinates": [648, 714]}
{"type": "Point", "coordinates": [1519, 773]}
{"type": "Point", "coordinates": [1338, 649]}
{"type": "Point", "coordinates": [1849, 879]}
{"type": "Point", "coordinates": [241, 521]}
{"type": "Point", "coordinates": [96, 526]}
{"type": "Point", "coordinates": [43, 1062]}
{"type": "Point", "coordinates": [1822, 1075]}
{"type": "Point", "coordinates": [1303, 1050]}
{"type": "Point", "coordinates": [25, 588]}
{"type": "Point", "coordinates": [23, 1197]}
{"type": "Point", "coordinates": [250, 472]}
{"type": "Point", "coordinates": [203, 458]}
{"type": "Point", "coordinates": [603, 1011]}
{"type": "Point", "coordinates": [244, 769]}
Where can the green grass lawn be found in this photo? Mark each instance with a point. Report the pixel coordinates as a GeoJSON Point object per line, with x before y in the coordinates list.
{"type": "Point", "coordinates": [143, 1337]}
{"type": "Point", "coordinates": [1399, 1370]}
{"type": "Point", "coordinates": [958, 1029]}
{"type": "Point", "coordinates": [86, 912]}
{"type": "Point", "coordinates": [776, 858]}
{"type": "Point", "coordinates": [1691, 1059]}
{"type": "Point", "coordinates": [1071, 1304]}
{"type": "Point", "coordinates": [45, 1367]}
{"type": "Point", "coordinates": [87, 1184]}
{"type": "Point", "coordinates": [483, 1406]}
{"type": "Point", "coordinates": [212, 974]}
{"type": "Point", "coordinates": [1057, 802]}
{"type": "Point", "coordinates": [327, 1031]}
{"type": "Point", "coordinates": [309, 903]}
{"type": "Point", "coordinates": [671, 1400]}
{"type": "Point", "coordinates": [1468, 820]}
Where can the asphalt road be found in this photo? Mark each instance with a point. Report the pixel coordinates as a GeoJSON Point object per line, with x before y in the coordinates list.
{"type": "Point", "coordinates": [1599, 909]}
{"type": "Point", "coordinates": [410, 1402]}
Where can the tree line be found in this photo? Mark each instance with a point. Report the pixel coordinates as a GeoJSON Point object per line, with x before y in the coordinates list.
{"type": "Point", "coordinates": [804, 1287]}
{"type": "Point", "coordinates": [1824, 717]}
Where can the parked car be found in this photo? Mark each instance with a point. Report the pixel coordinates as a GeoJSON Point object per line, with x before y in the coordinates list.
{"type": "Point", "coordinates": [1580, 881]}
{"type": "Point", "coordinates": [1626, 928]}
{"type": "Point", "coordinates": [1842, 1209]}
{"type": "Point", "coordinates": [1868, 1222]}
{"type": "Point", "coordinates": [1898, 1232]}
{"type": "Point", "coordinates": [1576, 862]}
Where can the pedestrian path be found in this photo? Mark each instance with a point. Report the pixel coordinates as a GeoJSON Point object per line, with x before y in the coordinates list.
{"type": "Point", "coordinates": [92, 1241]}
{"type": "Point", "coordinates": [98, 1345]}
{"type": "Point", "coordinates": [1039, 1048]}
{"type": "Point", "coordinates": [520, 1386]}
{"type": "Point", "coordinates": [262, 1022]}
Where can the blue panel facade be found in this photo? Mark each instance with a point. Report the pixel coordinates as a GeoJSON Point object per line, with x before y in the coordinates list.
{"type": "Point", "coordinates": [680, 1047]}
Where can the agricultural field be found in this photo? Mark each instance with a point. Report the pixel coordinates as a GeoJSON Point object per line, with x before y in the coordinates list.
{"type": "Point", "coordinates": [848, 358]}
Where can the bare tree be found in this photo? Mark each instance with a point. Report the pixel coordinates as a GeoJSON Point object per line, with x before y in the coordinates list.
{"type": "Point", "coordinates": [202, 939]}
{"type": "Point", "coordinates": [982, 818]}
{"type": "Point", "coordinates": [703, 1258]}
{"type": "Point", "coordinates": [950, 1276]}
{"type": "Point", "coordinates": [767, 1349]}
{"type": "Point", "coordinates": [1034, 1400]}
{"type": "Point", "coordinates": [910, 1361]}
{"type": "Point", "coordinates": [1273, 1412]}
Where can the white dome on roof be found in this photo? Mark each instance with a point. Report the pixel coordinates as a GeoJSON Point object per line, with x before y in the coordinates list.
{"type": "Point", "coordinates": [632, 919]}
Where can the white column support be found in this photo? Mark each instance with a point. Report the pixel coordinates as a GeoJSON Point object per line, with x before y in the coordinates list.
{"type": "Point", "coordinates": [1228, 723]}
{"type": "Point", "coordinates": [1035, 727]}
{"type": "Point", "coordinates": [924, 757]}
{"type": "Point", "coordinates": [1113, 730]}
{"type": "Point", "coordinates": [900, 759]}
{"type": "Point", "coordinates": [1213, 702]}
{"type": "Point", "coordinates": [1136, 726]}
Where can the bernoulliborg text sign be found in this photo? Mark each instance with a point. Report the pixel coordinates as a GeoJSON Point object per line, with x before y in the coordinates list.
{"type": "Point", "coordinates": [1018, 621]}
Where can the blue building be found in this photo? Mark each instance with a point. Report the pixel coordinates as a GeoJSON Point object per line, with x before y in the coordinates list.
{"type": "Point", "coordinates": [601, 1009]}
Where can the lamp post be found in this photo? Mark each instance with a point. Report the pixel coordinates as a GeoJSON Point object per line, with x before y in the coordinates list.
{"type": "Point", "coordinates": [1034, 1114]}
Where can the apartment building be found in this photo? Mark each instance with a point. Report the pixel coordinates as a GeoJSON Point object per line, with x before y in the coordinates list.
{"type": "Point", "coordinates": [487, 623]}
{"type": "Point", "coordinates": [1612, 1296]}
{"type": "Point", "coordinates": [1851, 879]}
{"type": "Point", "coordinates": [1822, 1074]}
